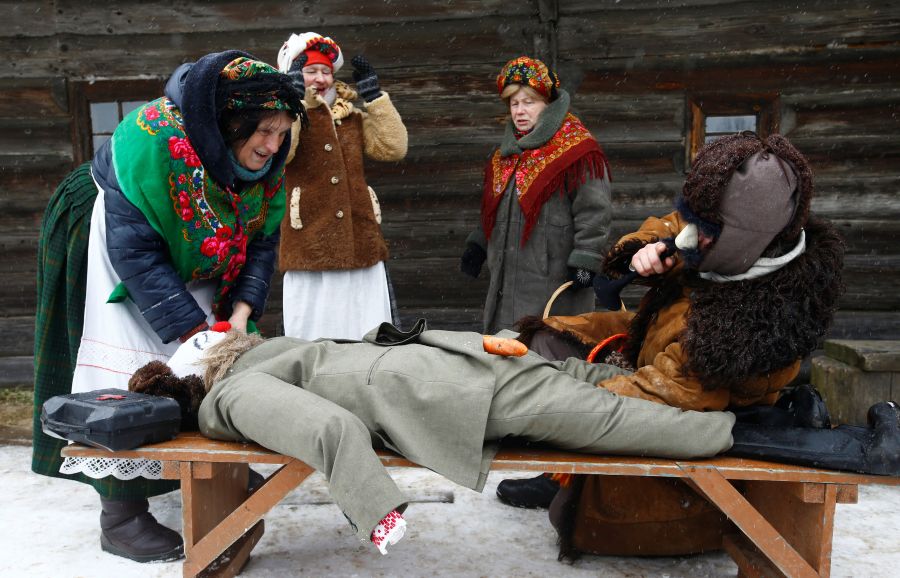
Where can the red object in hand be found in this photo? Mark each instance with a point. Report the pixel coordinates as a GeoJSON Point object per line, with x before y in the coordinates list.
{"type": "Point", "coordinates": [108, 396]}
{"type": "Point", "coordinates": [221, 327]}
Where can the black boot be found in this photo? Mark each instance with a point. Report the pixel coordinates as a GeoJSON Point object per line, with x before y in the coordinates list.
{"type": "Point", "coordinates": [528, 493]}
{"type": "Point", "coordinates": [798, 406]}
{"type": "Point", "coordinates": [883, 452]}
{"type": "Point", "coordinates": [867, 450]}
{"type": "Point", "coordinates": [130, 530]}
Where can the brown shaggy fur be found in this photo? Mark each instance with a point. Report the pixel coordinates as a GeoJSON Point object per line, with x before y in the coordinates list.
{"type": "Point", "coordinates": [156, 378]}
{"type": "Point", "coordinates": [747, 328]}
{"type": "Point", "coordinates": [754, 327]}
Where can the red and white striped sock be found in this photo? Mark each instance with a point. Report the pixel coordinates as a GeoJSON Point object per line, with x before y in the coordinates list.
{"type": "Point", "coordinates": [388, 531]}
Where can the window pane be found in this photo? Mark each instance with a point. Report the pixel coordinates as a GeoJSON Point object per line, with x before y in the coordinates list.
{"type": "Point", "coordinates": [104, 116]}
{"type": "Point", "coordinates": [130, 105]}
{"type": "Point", "coordinates": [99, 140]}
{"type": "Point", "coordinates": [730, 124]}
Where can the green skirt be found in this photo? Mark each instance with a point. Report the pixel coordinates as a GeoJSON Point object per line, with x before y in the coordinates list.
{"type": "Point", "coordinates": [59, 318]}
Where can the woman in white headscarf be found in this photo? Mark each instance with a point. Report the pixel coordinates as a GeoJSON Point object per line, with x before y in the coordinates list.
{"type": "Point", "coordinates": [332, 251]}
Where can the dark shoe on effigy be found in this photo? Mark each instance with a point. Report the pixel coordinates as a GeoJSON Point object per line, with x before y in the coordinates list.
{"type": "Point", "coordinates": [806, 406]}
{"type": "Point", "coordinates": [872, 449]}
{"type": "Point", "coordinates": [883, 453]}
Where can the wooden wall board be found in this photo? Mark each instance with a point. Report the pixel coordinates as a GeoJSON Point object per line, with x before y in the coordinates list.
{"type": "Point", "coordinates": [631, 68]}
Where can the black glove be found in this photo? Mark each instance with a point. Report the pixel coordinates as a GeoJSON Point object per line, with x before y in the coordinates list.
{"type": "Point", "coordinates": [472, 260]}
{"type": "Point", "coordinates": [365, 78]}
{"type": "Point", "coordinates": [581, 278]}
{"type": "Point", "coordinates": [296, 73]}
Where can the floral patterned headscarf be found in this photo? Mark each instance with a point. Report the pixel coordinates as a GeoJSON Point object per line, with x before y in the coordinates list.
{"type": "Point", "coordinates": [529, 72]}
{"type": "Point", "coordinates": [251, 84]}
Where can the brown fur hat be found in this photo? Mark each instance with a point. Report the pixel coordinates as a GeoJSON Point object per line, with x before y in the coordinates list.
{"type": "Point", "coordinates": [714, 167]}
{"type": "Point", "coordinates": [156, 378]}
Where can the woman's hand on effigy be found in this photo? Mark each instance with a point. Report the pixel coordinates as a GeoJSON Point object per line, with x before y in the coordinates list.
{"type": "Point", "coordinates": [239, 316]}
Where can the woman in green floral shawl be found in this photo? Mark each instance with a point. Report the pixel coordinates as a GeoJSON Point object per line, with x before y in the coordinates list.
{"type": "Point", "coordinates": [183, 232]}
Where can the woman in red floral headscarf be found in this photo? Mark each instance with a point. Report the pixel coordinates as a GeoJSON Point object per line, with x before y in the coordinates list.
{"type": "Point", "coordinates": [545, 206]}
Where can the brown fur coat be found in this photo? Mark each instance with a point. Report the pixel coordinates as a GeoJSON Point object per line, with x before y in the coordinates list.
{"type": "Point", "coordinates": [707, 346]}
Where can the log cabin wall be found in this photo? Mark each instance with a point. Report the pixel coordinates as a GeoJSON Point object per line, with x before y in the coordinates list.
{"type": "Point", "coordinates": [827, 71]}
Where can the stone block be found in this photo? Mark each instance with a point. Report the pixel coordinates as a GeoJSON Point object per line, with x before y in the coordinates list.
{"type": "Point", "coordinates": [854, 375]}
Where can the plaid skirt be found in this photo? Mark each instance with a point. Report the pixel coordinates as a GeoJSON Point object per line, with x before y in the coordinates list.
{"type": "Point", "coordinates": [59, 318]}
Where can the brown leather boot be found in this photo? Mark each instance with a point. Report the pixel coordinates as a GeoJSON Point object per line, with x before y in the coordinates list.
{"type": "Point", "coordinates": [130, 530]}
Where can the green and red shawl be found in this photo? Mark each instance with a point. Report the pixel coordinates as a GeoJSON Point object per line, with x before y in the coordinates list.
{"type": "Point", "coordinates": [206, 227]}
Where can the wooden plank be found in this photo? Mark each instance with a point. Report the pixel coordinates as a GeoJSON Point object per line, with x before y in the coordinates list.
{"type": "Point", "coordinates": [235, 557]}
{"type": "Point", "coordinates": [210, 493]}
{"type": "Point", "coordinates": [16, 370]}
{"type": "Point", "coordinates": [193, 446]}
{"type": "Point", "coordinates": [652, 28]}
{"type": "Point", "coordinates": [36, 98]}
{"type": "Point", "coordinates": [159, 52]}
{"type": "Point", "coordinates": [716, 489]}
{"type": "Point", "coordinates": [23, 19]}
{"type": "Point", "coordinates": [208, 546]}
{"type": "Point", "coordinates": [750, 563]}
{"type": "Point", "coordinates": [16, 336]}
{"type": "Point", "coordinates": [236, 16]}
{"type": "Point", "coordinates": [736, 73]}
{"type": "Point", "coordinates": [808, 527]}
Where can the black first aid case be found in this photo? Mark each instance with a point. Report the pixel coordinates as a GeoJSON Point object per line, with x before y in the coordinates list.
{"type": "Point", "coordinates": [113, 419]}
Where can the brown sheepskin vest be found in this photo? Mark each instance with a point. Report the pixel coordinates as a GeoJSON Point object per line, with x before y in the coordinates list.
{"type": "Point", "coordinates": [337, 226]}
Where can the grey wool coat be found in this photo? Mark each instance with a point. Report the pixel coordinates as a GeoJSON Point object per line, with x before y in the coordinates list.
{"type": "Point", "coordinates": [571, 231]}
{"type": "Point", "coordinates": [425, 394]}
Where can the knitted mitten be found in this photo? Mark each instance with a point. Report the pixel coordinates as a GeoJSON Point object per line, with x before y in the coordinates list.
{"type": "Point", "coordinates": [388, 531]}
{"type": "Point", "coordinates": [296, 73]}
{"type": "Point", "coordinates": [365, 78]}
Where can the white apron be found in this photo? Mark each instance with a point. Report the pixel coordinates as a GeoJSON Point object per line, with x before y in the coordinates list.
{"type": "Point", "coordinates": [116, 342]}
{"type": "Point", "coordinates": [342, 304]}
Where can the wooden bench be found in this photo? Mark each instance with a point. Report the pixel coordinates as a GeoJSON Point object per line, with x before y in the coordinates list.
{"type": "Point", "coordinates": [784, 514]}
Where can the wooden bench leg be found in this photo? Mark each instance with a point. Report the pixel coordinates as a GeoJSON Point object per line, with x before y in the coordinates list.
{"type": "Point", "coordinates": [217, 512]}
{"type": "Point", "coordinates": [771, 543]}
{"type": "Point", "coordinates": [802, 513]}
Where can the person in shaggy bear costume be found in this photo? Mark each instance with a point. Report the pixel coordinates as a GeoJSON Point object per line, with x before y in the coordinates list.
{"type": "Point", "coordinates": [742, 284]}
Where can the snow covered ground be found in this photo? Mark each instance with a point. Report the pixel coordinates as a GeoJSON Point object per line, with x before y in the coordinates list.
{"type": "Point", "coordinates": [49, 528]}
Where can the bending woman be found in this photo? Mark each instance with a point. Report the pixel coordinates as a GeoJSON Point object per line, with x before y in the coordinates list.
{"type": "Point", "coordinates": [189, 196]}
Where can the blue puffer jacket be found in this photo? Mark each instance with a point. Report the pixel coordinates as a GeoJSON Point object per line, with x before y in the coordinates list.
{"type": "Point", "coordinates": [139, 254]}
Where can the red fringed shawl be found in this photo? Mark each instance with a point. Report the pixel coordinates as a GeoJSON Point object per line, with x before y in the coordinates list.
{"type": "Point", "coordinates": [570, 158]}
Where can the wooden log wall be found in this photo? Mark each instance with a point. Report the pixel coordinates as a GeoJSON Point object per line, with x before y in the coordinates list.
{"type": "Point", "coordinates": [631, 67]}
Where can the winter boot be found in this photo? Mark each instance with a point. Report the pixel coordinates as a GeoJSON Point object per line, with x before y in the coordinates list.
{"type": "Point", "coordinates": [130, 530]}
{"type": "Point", "coordinates": [867, 450]}
{"type": "Point", "coordinates": [388, 531]}
{"type": "Point", "coordinates": [798, 406]}
{"type": "Point", "coordinates": [528, 493]}
{"type": "Point", "coordinates": [806, 406]}
{"type": "Point", "coordinates": [883, 453]}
